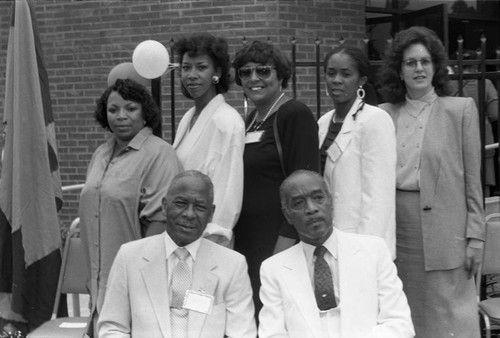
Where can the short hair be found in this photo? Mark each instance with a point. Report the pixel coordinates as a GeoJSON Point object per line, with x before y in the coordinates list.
{"type": "Point", "coordinates": [263, 52]}
{"type": "Point", "coordinates": [357, 55]}
{"type": "Point", "coordinates": [392, 87]}
{"type": "Point", "coordinates": [287, 182]}
{"type": "Point", "coordinates": [206, 44]}
{"type": "Point", "coordinates": [131, 91]}
{"type": "Point", "coordinates": [194, 174]}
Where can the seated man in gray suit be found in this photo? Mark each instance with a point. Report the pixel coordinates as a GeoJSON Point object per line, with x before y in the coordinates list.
{"type": "Point", "coordinates": [178, 284]}
{"type": "Point", "coordinates": [332, 283]}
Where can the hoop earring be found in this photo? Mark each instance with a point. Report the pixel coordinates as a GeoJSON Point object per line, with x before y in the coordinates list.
{"type": "Point", "coordinates": [215, 79]}
{"type": "Point", "coordinates": [361, 92]}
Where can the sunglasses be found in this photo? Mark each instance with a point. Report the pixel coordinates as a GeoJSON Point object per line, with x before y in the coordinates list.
{"type": "Point", "coordinates": [412, 63]}
{"type": "Point", "coordinates": [262, 72]}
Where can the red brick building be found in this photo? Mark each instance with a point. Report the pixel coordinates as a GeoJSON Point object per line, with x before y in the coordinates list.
{"type": "Point", "coordinates": [83, 40]}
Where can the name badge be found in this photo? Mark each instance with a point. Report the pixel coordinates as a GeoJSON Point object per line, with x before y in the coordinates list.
{"type": "Point", "coordinates": [198, 301]}
{"type": "Point", "coordinates": [254, 136]}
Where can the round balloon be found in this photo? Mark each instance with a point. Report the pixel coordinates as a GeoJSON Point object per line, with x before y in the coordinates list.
{"type": "Point", "coordinates": [126, 70]}
{"type": "Point", "coordinates": [150, 59]}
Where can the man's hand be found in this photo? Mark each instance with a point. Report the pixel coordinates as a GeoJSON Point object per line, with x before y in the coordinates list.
{"type": "Point", "coordinates": [473, 256]}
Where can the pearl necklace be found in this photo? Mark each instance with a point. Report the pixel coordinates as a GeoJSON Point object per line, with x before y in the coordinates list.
{"type": "Point", "coordinates": [260, 123]}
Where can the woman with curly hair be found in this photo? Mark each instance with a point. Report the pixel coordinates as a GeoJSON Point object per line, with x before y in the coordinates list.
{"type": "Point", "coordinates": [211, 135]}
{"type": "Point", "coordinates": [439, 202]}
{"type": "Point", "coordinates": [126, 180]}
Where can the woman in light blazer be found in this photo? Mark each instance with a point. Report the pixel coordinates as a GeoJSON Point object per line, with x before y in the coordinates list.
{"type": "Point", "coordinates": [439, 214]}
{"type": "Point", "coordinates": [358, 150]}
{"type": "Point", "coordinates": [211, 135]}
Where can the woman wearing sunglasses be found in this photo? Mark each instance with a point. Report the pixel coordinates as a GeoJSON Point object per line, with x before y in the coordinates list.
{"type": "Point", "coordinates": [211, 135]}
{"type": "Point", "coordinates": [277, 122]}
{"type": "Point", "coordinates": [357, 150]}
{"type": "Point", "coordinates": [439, 202]}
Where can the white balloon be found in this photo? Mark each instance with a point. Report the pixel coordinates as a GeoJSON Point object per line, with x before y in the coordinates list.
{"type": "Point", "coordinates": [150, 59]}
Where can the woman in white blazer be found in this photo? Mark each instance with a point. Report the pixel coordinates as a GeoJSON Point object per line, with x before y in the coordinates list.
{"type": "Point", "coordinates": [358, 150]}
{"type": "Point", "coordinates": [211, 135]}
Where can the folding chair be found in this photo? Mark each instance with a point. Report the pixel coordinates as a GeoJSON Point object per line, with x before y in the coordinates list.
{"type": "Point", "coordinates": [489, 308]}
{"type": "Point", "coordinates": [72, 280]}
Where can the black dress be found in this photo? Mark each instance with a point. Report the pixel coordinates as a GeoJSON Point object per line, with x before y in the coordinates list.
{"type": "Point", "coordinates": [261, 219]}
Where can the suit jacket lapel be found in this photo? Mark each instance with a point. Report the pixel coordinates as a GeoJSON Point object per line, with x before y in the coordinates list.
{"type": "Point", "coordinates": [300, 289]}
{"type": "Point", "coordinates": [345, 135]}
{"type": "Point", "coordinates": [183, 128]}
{"type": "Point", "coordinates": [154, 273]}
{"type": "Point", "coordinates": [204, 280]}
{"type": "Point", "coordinates": [430, 165]}
{"type": "Point", "coordinates": [192, 136]}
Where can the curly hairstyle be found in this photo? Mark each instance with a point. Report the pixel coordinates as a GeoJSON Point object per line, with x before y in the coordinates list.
{"type": "Point", "coordinates": [263, 52]}
{"type": "Point", "coordinates": [392, 87]}
{"type": "Point", "coordinates": [207, 44]}
{"type": "Point", "coordinates": [357, 55]}
{"type": "Point", "coordinates": [131, 91]}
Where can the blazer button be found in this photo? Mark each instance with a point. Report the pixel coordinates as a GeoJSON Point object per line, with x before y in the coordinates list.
{"type": "Point", "coordinates": [427, 208]}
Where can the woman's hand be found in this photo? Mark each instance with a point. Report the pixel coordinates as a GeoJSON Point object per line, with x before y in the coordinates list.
{"type": "Point", "coordinates": [473, 256]}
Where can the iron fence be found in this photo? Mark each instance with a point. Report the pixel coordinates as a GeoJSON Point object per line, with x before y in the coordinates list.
{"type": "Point", "coordinates": [487, 69]}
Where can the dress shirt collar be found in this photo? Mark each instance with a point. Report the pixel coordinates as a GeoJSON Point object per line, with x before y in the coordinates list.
{"type": "Point", "coordinates": [170, 246]}
{"type": "Point", "coordinates": [429, 97]}
{"type": "Point", "coordinates": [330, 244]}
{"type": "Point", "coordinates": [139, 139]}
{"type": "Point", "coordinates": [136, 142]}
{"type": "Point", "coordinates": [415, 107]}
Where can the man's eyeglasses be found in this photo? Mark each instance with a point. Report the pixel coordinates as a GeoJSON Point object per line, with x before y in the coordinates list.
{"type": "Point", "coordinates": [412, 63]}
{"type": "Point", "coordinates": [262, 72]}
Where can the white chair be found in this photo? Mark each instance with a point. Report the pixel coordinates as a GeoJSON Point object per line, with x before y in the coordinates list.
{"type": "Point", "coordinates": [72, 280]}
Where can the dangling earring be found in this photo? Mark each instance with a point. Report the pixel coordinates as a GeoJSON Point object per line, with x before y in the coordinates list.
{"type": "Point", "coordinates": [360, 93]}
{"type": "Point", "coordinates": [215, 79]}
{"type": "Point", "coordinates": [326, 90]}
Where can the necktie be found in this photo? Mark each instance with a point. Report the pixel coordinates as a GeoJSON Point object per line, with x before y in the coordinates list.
{"type": "Point", "coordinates": [181, 278]}
{"type": "Point", "coordinates": [323, 281]}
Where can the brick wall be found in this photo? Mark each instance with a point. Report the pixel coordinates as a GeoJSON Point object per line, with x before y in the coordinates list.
{"type": "Point", "coordinates": [83, 40]}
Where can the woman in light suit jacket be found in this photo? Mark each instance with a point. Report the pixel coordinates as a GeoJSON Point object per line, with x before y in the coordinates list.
{"type": "Point", "coordinates": [439, 214]}
{"type": "Point", "coordinates": [358, 150]}
{"type": "Point", "coordinates": [211, 135]}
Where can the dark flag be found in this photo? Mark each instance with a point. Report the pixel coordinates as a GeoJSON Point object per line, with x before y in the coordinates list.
{"type": "Point", "coordinates": [30, 188]}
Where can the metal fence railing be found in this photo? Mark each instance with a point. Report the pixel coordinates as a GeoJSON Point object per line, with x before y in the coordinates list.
{"type": "Point", "coordinates": [486, 69]}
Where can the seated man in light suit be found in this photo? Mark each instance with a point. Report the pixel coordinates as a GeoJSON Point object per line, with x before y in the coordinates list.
{"type": "Point", "coordinates": [347, 288]}
{"type": "Point", "coordinates": [178, 284]}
